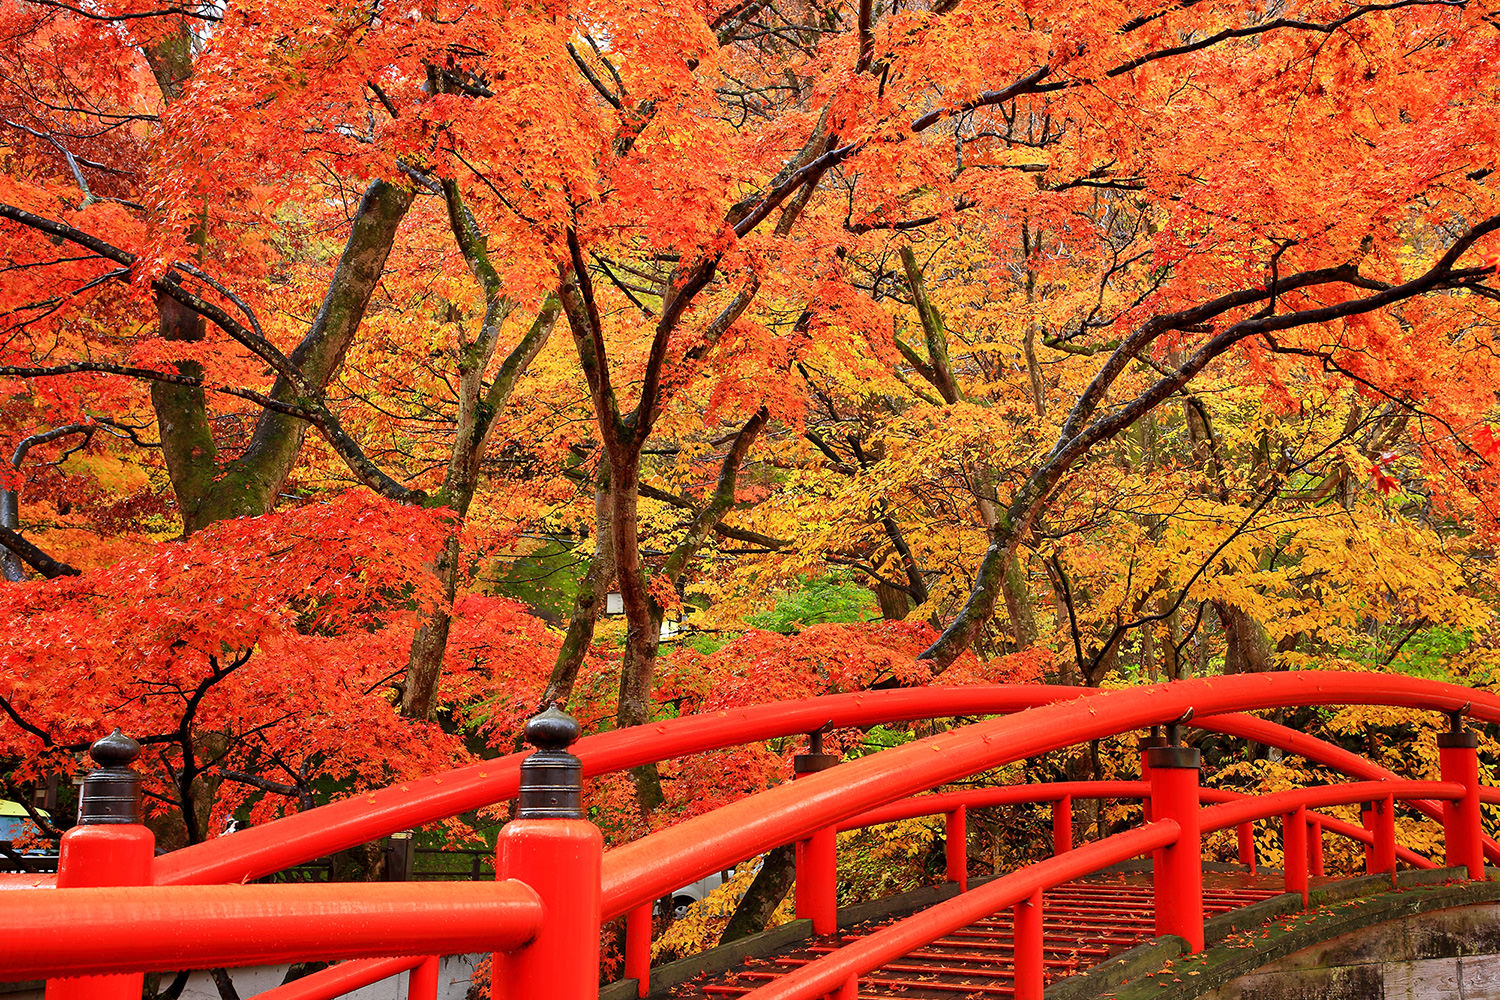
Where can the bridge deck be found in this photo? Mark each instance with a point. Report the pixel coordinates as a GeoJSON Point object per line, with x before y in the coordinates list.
{"type": "Point", "coordinates": [1084, 923]}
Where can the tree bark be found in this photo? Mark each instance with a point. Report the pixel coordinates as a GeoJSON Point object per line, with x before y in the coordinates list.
{"type": "Point", "coordinates": [424, 665]}
{"type": "Point", "coordinates": [593, 592]}
{"type": "Point", "coordinates": [771, 884]}
{"type": "Point", "coordinates": [251, 484]}
{"type": "Point", "coordinates": [187, 441]}
{"type": "Point", "coordinates": [1248, 649]}
{"type": "Point", "coordinates": [477, 408]}
{"type": "Point", "coordinates": [1018, 604]}
{"type": "Point", "coordinates": [14, 544]}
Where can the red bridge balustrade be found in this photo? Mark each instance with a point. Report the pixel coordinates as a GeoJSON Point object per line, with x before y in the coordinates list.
{"type": "Point", "coordinates": [115, 912]}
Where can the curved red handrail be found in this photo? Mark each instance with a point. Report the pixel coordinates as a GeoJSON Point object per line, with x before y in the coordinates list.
{"type": "Point", "coordinates": [1003, 795]}
{"type": "Point", "coordinates": [295, 839]}
{"type": "Point", "coordinates": [1322, 752]}
{"type": "Point", "coordinates": [645, 869]}
{"type": "Point", "coordinates": [651, 867]}
{"type": "Point", "coordinates": [946, 802]}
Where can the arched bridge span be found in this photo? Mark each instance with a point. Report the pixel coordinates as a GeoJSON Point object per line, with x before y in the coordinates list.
{"type": "Point", "coordinates": [556, 884]}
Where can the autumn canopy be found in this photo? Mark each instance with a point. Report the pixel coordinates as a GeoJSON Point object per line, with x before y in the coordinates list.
{"type": "Point", "coordinates": [371, 373]}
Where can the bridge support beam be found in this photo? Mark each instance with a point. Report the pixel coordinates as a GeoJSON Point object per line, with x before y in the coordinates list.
{"type": "Point", "coordinates": [1380, 819]}
{"type": "Point", "coordinates": [1026, 949]}
{"type": "Point", "coordinates": [1245, 833]}
{"type": "Point", "coordinates": [560, 855]}
{"type": "Point", "coordinates": [1294, 852]}
{"type": "Point", "coordinates": [1314, 848]}
{"type": "Point", "coordinates": [1178, 869]}
{"type": "Point", "coordinates": [1463, 835]}
{"type": "Point", "coordinates": [1062, 825]}
{"type": "Point", "coordinates": [817, 856]}
{"type": "Point", "coordinates": [108, 847]}
{"type": "Point", "coordinates": [956, 846]}
{"type": "Point", "coordinates": [638, 948]}
{"type": "Point", "coordinates": [422, 982]}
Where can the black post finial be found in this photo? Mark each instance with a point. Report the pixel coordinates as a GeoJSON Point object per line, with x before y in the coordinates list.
{"type": "Point", "coordinates": [551, 778]}
{"type": "Point", "coordinates": [111, 792]}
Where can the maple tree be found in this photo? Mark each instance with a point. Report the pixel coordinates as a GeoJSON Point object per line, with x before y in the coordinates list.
{"type": "Point", "coordinates": [233, 658]}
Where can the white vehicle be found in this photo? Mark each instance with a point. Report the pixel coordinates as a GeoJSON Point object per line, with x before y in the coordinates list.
{"type": "Point", "coordinates": [694, 892]}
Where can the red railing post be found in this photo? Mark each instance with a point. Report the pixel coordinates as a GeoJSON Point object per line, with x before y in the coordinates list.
{"type": "Point", "coordinates": [1380, 819]}
{"type": "Point", "coordinates": [108, 847]}
{"type": "Point", "coordinates": [638, 948]}
{"type": "Point", "coordinates": [817, 856]}
{"type": "Point", "coordinates": [1463, 834]}
{"type": "Point", "coordinates": [559, 854]}
{"type": "Point", "coordinates": [1062, 825]}
{"type": "Point", "coordinates": [1026, 949]}
{"type": "Point", "coordinates": [1178, 868]}
{"type": "Point", "coordinates": [956, 847]}
{"type": "Point", "coordinates": [1294, 852]}
{"type": "Point", "coordinates": [1314, 848]}
{"type": "Point", "coordinates": [1246, 834]}
{"type": "Point", "coordinates": [422, 982]}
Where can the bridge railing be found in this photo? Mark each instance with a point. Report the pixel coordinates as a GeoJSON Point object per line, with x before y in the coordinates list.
{"type": "Point", "coordinates": [838, 972]}
{"type": "Point", "coordinates": [635, 874]}
{"type": "Point", "coordinates": [103, 926]}
{"type": "Point", "coordinates": [304, 836]}
{"type": "Point", "coordinates": [638, 872]}
{"type": "Point", "coordinates": [954, 807]}
{"type": "Point", "coordinates": [1060, 795]}
{"type": "Point", "coordinates": [1301, 827]}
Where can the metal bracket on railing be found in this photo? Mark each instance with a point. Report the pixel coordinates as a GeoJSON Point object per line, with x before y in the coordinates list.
{"type": "Point", "coordinates": [1174, 754]}
{"type": "Point", "coordinates": [1457, 735]}
{"type": "Point", "coordinates": [815, 759]}
{"type": "Point", "coordinates": [1174, 731]}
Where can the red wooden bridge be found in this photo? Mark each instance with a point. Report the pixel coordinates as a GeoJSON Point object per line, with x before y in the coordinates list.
{"type": "Point", "coordinates": [116, 912]}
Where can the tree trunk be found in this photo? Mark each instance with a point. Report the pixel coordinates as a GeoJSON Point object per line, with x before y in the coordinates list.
{"type": "Point", "coordinates": [771, 884]}
{"type": "Point", "coordinates": [895, 603]}
{"type": "Point", "coordinates": [642, 624]}
{"type": "Point", "coordinates": [1018, 604]}
{"type": "Point", "coordinates": [593, 591]}
{"type": "Point", "coordinates": [477, 407]}
{"type": "Point", "coordinates": [1248, 650]}
{"type": "Point", "coordinates": [187, 440]}
{"type": "Point", "coordinates": [424, 664]}
{"type": "Point", "coordinates": [252, 483]}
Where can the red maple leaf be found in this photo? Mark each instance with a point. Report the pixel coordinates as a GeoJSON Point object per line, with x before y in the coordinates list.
{"type": "Point", "coordinates": [1486, 443]}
